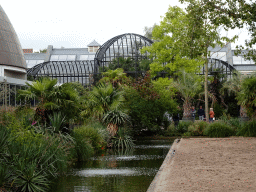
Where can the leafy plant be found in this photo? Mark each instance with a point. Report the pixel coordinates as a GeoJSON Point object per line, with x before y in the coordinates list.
{"type": "Point", "coordinates": [218, 129]}
{"type": "Point", "coordinates": [123, 140]}
{"type": "Point", "coordinates": [88, 140]}
{"type": "Point", "coordinates": [248, 129]}
{"type": "Point", "coordinates": [197, 128]}
{"type": "Point", "coordinates": [57, 121]}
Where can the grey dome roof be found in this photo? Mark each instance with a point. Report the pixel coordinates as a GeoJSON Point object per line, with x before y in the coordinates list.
{"type": "Point", "coordinates": [10, 49]}
{"type": "Point", "coordinates": [94, 43]}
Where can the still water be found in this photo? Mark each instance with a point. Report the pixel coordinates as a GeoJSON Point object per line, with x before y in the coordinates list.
{"type": "Point", "coordinates": [115, 171]}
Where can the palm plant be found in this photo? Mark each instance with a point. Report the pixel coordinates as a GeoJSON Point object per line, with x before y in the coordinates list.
{"type": "Point", "coordinates": [57, 120]}
{"type": "Point", "coordinates": [234, 85]}
{"type": "Point", "coordinates": [247, 95]}
{"type": "Point", "coordinates": [39, 89]}
{"type": "Point", "coordinates": [114, 76]}
{"type": "Point", "coordinates": [106, 104]}
{"type": "Point", "coordinates": [188, 85]}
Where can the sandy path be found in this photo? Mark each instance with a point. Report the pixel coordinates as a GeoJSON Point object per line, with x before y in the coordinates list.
{"type": "Point", "coordinates": [209, 164]}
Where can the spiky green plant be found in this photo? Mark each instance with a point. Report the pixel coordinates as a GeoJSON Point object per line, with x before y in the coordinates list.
{"type": "Point", "coordinates": [123, 139]}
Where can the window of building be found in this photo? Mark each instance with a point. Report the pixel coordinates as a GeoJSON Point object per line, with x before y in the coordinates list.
{"type": "Point", "coordinates": [63, 57]}
{"type": "Point", "coordinates": [90, 57]}
{"type": "Point", "coordinates": [39, 61]}
{"type": "Point", "coordinates": [246, 62]}
{"type": "Point", "coordinates": [237, 60]}
{"type": "Point", "coordinates": [90, 49]}
{"type": "Point", "coordinates": [219, 55]}
{"type": "Point", "coordinates": [54, 58]}
{"type": "Point", "coordinates": [83, 57]}
{"type": "Point", "coordinates": [31, 63]}
{"type": "Point", "coordinates": [71, 58]}
{"type": "Point", "coordinates": [95, 49]}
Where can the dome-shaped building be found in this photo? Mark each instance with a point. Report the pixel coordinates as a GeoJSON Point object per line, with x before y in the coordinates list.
{"type": "Point", "coordinates": [12, 62]}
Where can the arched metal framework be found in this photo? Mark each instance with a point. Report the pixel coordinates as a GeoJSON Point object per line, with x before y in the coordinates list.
{"type": "Point", "coordinates": [217, 65]}
{"type": "Point", "coordinates": [112, 52]}
{"type": "Point", "coordinates": [65, 71]}
{"type": "Point", "coordinates": [124, 46]}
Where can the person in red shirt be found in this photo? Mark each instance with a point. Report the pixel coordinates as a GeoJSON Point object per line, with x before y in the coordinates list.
{"type": "Point", "coordinates": [211, 115]}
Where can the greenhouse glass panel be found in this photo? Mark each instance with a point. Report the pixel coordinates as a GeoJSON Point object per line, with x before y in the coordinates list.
{"type": "Point", "coordinates": [71, 58]}
{"type": "Point", "coordinates": [63, 57]}
{"type": "Point", "coordinates": [91, 57]}
{"type": "Point", "coordinates": [54, 58]}
{"type": "Point", "coordinates": [245, 61]}
{"type": "Point", "coordinates": [83, 57]}
{"type": "Point", "coordinates": [39, 61]}
{"type": "Point", "coordinates": [237, 60]}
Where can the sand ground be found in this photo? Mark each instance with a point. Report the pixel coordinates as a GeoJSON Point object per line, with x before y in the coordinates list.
{"type": "Point", "coordinates": [208, 164]}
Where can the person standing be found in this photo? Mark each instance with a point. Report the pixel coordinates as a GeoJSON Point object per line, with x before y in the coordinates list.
{"type": "Point", "coordinates": [200, 113]}
{"type": "Point", "coordinates": [211, 115]}
{"type": "Point", "coordinates": [193, 113]}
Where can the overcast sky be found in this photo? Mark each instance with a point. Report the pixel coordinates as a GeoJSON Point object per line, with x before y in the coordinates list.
{"type": "Point", "coordinates": [75, 23]}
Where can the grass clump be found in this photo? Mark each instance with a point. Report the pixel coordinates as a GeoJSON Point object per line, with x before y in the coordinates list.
{"type": "Point", "coordinates": [248, 129]}
{"type": "Point", "coordinates": [88, 140]}
{"type": "Point", "coordinates": [219, 129]}
{"type": "Point", "coordinates": [197, 128]}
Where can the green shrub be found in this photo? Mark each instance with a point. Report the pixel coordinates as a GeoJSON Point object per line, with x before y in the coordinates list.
{"type": "Point", "coordinates": [197, 128]}
{"type": "Point", "coordinates": [89, 140]}
{"type": "Point", "coordinates": [218, 129]}
{"type": "Point", "coordinates": [182, 127]}
{"type": "Point", "coordinates": [248, 129]}
{"type": "Point", "coordinates": [123, 139]}
{"type": "Point", "coordinates": [178, 130]}
{"type": "Point", "coordinates": [187, 134]}
{"type": "Point", "coordinates": [31, 162]}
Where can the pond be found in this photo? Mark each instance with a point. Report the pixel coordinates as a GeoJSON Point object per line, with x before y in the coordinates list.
{"type": "Point", "coordinates": [115, 171]}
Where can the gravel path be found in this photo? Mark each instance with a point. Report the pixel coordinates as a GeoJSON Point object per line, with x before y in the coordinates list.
{"type": "Point", "coordinates": [208, 164]}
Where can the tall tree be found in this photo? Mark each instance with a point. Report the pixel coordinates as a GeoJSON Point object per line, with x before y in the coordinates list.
{"type": "Point", "coordinates": [188, 85]}
{"type": "Point", "coordinates": [204, 33]}
{"type": "Point", "coordinates": [183, 39]}
{"type": "Point", "coordinates": [233, 14]}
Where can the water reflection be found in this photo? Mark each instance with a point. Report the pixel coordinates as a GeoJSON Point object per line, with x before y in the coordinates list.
{"type": "Point", "coordinates": [117, 170]}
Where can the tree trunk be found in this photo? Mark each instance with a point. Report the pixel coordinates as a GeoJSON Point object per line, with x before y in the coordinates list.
{"type": "Point", "coordinates": [206, 88]}
{"type": "Point", "coordinates": [186, 109]}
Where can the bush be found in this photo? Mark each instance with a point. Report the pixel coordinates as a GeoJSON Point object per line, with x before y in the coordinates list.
{"type": "Point", "coordinates": [197, 128]}
{"type": "Point", "coordinates": [88, 140]}
{"type": "Point", "coordinates": [180, 129]}
{"type": "Point", "coordinates": [31, 161]}
{"type": "Point", "coordinates": [123, 139]}
{"type": "Point", "coordinates": [218, 129]}
{"type": "Point", "coordinates": [248, 129]}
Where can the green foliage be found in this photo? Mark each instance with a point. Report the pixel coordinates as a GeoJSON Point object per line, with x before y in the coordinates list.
{"type": "Point", "coordinates": [232, 14]}
{"type": "Point", "coordinates": [247, 95]}
{"type": "Point", "coordinates": [197, 128]}
{"type": "Point", "coordinates": [188, 85]}
{"type": "Point", "coordinates": [248, 129]}
{"type": "Point", "coordinates": [102, 99]}
{"type": "Point", "coordinates": [218, 129]}
{"type": "Point", "coordinates": [52, 98]}
{"type": "Point", "coordinates": [116, 116]}
{"type": "Point", "coordinates": [232, 122]}
{"type": "Point", "coordinates": [172, 45]}
{"type": "Point", "coordinates": [114, 76]}
{"type": "Point", "coordinates": [147, 102]}
{"type": "Point", "coordinates": [218, 110]}
{"type": "Point", "coordinates": [128, 64]}
{"type": "Point", "coordinates": [88, 140]}
{"type": "Point", "coordinates": [31, 159]}
{"type": "Point", "coordinates": [180, 129]}
{"type": "Point", "coordinates": [57, 121]}
{"type": "Point", "coordinates": [123, 139]}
